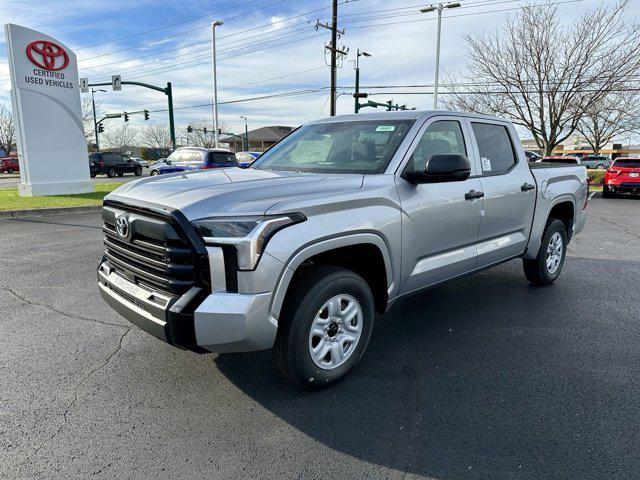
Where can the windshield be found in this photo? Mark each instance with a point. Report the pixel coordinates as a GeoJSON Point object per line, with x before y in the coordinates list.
{"type": "Point", "coordinates": [340, 147]}
{"type": "Point", "coordinates": [627, 163]}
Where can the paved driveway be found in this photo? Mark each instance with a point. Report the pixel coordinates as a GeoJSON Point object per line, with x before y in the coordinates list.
{"type": "Point", "coordinates": [485, 377]}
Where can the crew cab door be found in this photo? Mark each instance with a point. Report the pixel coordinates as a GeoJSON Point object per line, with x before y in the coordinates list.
{"type": "Point", "coordinates": [509, 192]}
{"type": "Point", "coordinates": [439, 225]}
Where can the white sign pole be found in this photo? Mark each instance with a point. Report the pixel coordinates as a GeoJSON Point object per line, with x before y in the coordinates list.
{"type": "Point", "coordinates": [52, 148]}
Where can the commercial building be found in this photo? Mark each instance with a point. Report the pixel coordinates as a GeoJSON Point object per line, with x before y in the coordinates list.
{"type": "Point", "coordinates": [259, 139]}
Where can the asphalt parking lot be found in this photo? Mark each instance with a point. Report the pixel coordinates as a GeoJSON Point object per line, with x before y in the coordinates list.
{"type": "Point", "coordinates": [484, 377]}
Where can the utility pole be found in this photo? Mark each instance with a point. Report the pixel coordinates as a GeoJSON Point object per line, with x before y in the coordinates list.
{"type": "Point", "coordinates": [246, 134]}
{"type": "Point", "coordinates": [335, 51]}
{"type": "Point", "coordinates": [95, 123]}
{"type": "Point", "coordinates": [356, 95]}
{"type": "Point", "coordinates": [439, 9]}
{"type": "Point", "coordinates": [216, 136]}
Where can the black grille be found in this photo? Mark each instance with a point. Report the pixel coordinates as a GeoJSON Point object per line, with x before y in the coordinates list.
{"type": "Point", "coordinates": [155, 253]}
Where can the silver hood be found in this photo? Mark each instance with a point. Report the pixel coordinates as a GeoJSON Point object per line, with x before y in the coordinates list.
{"type": "Point", "coordinates": [232, 191]}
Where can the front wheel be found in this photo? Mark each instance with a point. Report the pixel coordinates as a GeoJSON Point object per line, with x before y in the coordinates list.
{"type": "Point", "coordinates": [546, 267]}
{"type": "Point", "coordinates": [325, 326]}
{"type": "Point", "coordinates": [10, 170]}
{"type": "Point", "coordinates": [154, 172]}
{"type": "Point", "coordinates": [599, 167]}
{"type": "Point", "coordinates": [606, 192]}
{"type": "Point", "coordinates": [138, 171]}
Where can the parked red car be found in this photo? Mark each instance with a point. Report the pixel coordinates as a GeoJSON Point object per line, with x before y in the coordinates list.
{"type": "Point", "coordinates": [623, 176]}
{"type": "Point", "coordinates": [9, 164]}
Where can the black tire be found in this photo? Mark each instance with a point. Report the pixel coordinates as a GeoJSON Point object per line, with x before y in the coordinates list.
{"type": "Point", "coordinates": [111, 172]}
{"type": "Point", "coordinates": [10, 170]}
{"type": "Point", "coordinates": [600, 167]}
{"type": "Point", "coordinates": [153, 173]}
{"type": "Point", "coordinates": [606, 193]}
{"type": "Point", "coordinates": [536, 269]}
{"type": "Point", "coordinates": [92, 175]}
{"type": "Point", "coordinates": [312, 289]}
{"type": "Point", "coordinates": [138, 171]}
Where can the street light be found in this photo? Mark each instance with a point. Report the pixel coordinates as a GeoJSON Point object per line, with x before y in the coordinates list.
{"type": "Point", "coordinates": [95, 124]}
{"type": "Point", "coordinates": [358, 55]}
{"type": "Point", "coordinates": [215, 24]}
{"type": "Point", "coordinates": [439, 8]}
{"type": "Point", "coordinates": [246, 134]}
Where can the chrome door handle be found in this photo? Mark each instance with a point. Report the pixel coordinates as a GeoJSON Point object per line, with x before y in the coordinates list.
{"type": "Point", "coordinates": [473, 195]}
{"type": "Point", "coordinates": [526, 187]}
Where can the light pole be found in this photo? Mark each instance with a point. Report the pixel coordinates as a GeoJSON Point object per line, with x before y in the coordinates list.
{"type": "Point", "coordinates": [246, 134]}
{"type": "Point", "coordinates": [439, 8]}
{"type": "Point", "coordinates": [358, 55]}
{"type": "Point", "coordinates": [95, 123]}
{"type": "Point", "coordinates": [215, 24]}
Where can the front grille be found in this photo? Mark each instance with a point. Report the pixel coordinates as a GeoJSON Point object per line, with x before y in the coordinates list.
{"type": "Point", "coordinates": [155, 253]}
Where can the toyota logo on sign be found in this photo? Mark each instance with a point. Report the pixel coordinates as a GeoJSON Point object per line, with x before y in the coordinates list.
{"type": "Point", "coordinates": [47, 55]}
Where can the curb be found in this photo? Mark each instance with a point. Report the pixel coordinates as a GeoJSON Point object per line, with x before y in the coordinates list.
{"type": "Point", "coordinates": [44, 212]}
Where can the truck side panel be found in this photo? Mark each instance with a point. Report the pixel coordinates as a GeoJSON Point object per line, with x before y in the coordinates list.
{"type": "Point", "coordinates": [558, 185]}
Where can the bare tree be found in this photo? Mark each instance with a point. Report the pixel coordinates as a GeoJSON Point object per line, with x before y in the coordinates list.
{"type": "Point", "coordinates": [7, 130]}
{"type": "Point", "coordinates": [199, 138]}
{"type": "Point", "coordinates": [155, 135]}
{"type": "Point", "coordinates": [545, 76]}
{"type": "Point", "coordinates": [611, 117]}
{"type": "Point", "coordinates": [119, 138]}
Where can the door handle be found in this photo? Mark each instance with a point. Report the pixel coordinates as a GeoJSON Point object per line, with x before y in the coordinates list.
{"type": "Point", "coordinates": [526, 187]}
{"type": "Point", "coordinates": [473, 195]}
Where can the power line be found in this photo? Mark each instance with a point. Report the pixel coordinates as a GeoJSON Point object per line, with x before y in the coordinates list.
{"type": "Point", "coordinates": [232, 87]}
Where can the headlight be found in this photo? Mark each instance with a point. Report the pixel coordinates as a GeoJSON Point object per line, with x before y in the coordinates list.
{"type": "Point", "coordinates": [248, 234]}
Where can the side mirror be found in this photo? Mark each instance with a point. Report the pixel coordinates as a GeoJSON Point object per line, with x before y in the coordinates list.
{"type": "Point", "coordinates": [442, 168]}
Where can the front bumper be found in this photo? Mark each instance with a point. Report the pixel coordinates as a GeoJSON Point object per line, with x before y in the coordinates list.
{"type": "Point", "coordinates": [198, 321]}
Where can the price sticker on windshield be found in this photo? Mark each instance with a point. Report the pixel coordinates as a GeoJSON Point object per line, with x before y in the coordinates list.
{"type": "Point", "coordinates": [486, 164]}
{"type": "Point", "coordinates": [385, 128]}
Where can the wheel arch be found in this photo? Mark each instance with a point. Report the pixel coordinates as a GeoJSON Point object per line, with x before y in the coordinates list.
{"type": "Point", "coordinates": [348, 251]}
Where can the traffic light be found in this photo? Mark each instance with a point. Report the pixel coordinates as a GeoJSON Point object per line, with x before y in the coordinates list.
{"type": "Point", "coordinates": [219, 131]}
{"type": "Point", "coordinates": [126, 117]}
{"type": "Point", "coordinates": [146, 114]}
{"type": "Point", "coordinates": [100, 128]}
{"type": "Point", "coordinates": [189, 129]}
{"type": "Point", "coordinates": [204, 130]}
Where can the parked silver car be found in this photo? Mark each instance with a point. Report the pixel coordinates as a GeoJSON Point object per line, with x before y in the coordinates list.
{"type": "Point", "coordinates": [331, 225]}
{"type": "Point", "coordinates": [596, 161]}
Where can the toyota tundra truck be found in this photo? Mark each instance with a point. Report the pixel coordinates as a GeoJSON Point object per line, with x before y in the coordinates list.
{"type": "Point", "coordinates": [327, 229]}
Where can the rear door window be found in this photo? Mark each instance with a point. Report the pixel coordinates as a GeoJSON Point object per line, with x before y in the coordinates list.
{"type": "Point", "coordinates": [496, 151]}
{"type": "Point", "coordinates": [224, 158]}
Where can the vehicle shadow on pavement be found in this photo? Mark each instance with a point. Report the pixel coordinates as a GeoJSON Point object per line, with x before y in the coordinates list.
{"type": "Point", "coordinates": [485, 377]}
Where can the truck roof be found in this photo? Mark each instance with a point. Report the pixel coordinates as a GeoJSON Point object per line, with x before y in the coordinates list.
{"type": "Point", "coordinates": [402, 115]}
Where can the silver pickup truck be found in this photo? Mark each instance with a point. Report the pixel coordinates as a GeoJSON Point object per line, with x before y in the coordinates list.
{"type": "Point", "coordinates": [327, 229]}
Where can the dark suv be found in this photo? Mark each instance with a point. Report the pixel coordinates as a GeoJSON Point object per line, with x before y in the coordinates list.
{"type": "Point", "coordinates": [112, 164]}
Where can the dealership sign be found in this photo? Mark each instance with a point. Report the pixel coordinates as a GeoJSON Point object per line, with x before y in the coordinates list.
{"type": "Point", "coordinates": [52, 149]}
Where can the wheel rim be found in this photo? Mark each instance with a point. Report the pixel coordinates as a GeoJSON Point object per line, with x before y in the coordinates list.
{"type": "Point", "coordinates": [554, 253]}
{"type": "Point", "coordinates": [336, 331]}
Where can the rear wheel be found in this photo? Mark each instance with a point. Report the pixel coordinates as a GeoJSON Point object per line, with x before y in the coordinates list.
{"type": "Point", "coordinates": [10, 170]}
{"type": "Point", "coordinates": [111, 172]}
{"type": "Point", "coordinates": [600, 166]}
{"type": "Point", "coordinates": [606, 193]}
{"type": "Point", "coordinates": [93, 175]}
{"type": "Point", "coordinates": [546, 267]}
{"type": "Point", "coordinates": [325, 326]}
{"type": "Point", "coordinates": [154, 172]}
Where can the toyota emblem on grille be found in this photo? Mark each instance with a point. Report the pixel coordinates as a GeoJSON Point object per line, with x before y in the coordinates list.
{"type": "Point", "coordinates": [122, 225]}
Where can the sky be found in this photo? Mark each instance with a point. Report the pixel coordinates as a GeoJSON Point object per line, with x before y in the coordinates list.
{"type": "Point", "coordinates": [264, 48]}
